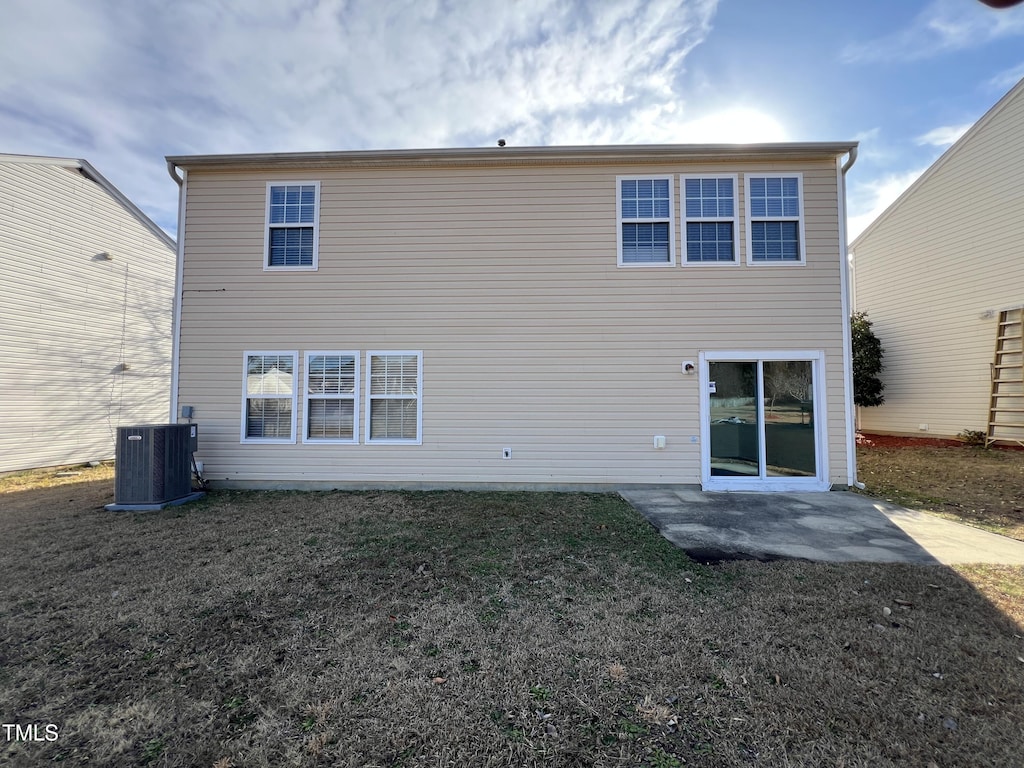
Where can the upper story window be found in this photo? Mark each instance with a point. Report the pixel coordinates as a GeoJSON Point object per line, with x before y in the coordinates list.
{"type": "Point", "coordinates": [268, 397]}
{"type": "Point", "coordinates": [775, 231]}
{"type": "Point", "coordinates": [332, 394]}
{"type": "Point", "coordinates": [709, 216]}
{"type": "Point", "coordinates": [292, 227]}
{"type": "Point", "coordinates": [646, 232]}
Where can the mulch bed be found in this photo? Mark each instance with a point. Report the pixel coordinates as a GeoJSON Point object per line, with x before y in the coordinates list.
{"type": "Point", "coordinates": [904, 441]}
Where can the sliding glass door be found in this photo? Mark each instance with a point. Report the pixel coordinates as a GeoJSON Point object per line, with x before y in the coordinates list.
{"type": "Point", "coordinates": [761, 422]}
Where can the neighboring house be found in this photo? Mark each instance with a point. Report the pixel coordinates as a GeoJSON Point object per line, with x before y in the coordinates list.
{"type": "Point", "coordinates": [941, 275]}
{"type": "Point", "coordinates": [86, 295]}
{"type": "Point", "coordinates": [517, 317]}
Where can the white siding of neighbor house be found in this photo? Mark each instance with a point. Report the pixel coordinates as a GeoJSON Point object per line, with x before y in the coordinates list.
{"type": "Point", "coordinates": [532, 338]}
{"type": "Point", "coordinates": [69, 319]}
{"type": "Point", "coordinates": [934, 271]}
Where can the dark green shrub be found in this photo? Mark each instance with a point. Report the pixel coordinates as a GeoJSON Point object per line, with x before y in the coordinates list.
{"type": "Point", "coordinates": [867, 362]}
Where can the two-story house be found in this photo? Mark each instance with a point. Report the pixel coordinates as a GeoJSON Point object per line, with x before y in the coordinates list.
{"type": "Point", "coordinates": [538, 317]}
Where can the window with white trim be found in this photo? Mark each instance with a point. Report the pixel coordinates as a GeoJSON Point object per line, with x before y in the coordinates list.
{"type": "Point", "coordinates": [709, 219]}
{"type": "Point", "coordinates": [646, 232]}
{"type": "Point", "coordinates": [292, 225]}
{"type": "Point", "coordinates": [393, 397]}
{"type": "Point", "coordinates": [775, 225]}
{"type": "Point", "coordinates": [332, 397]}
{"type": "Point", "coordinates": [268, 397]}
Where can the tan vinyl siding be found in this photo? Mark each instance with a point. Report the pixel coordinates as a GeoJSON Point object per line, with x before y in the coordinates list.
{"type": "Point", "coordinates": [934, 266]}
{"type": "Point", "coordinates": [68, 319]}
{"type": "Point", "coordinates": [506, 280]}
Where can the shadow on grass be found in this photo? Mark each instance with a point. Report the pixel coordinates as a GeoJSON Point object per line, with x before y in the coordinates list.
{"type": "Point", "coordinates": [387, 629]}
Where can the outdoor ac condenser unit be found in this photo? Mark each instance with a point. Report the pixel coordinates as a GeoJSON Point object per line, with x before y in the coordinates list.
{"type": "Point", "coordinates": [153, 463]}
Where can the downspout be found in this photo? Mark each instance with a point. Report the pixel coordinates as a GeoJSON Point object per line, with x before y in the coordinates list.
{"type": "Point", "coordinates": [845, 289]}
{"type": "Point", "coordinates": [182, 182]}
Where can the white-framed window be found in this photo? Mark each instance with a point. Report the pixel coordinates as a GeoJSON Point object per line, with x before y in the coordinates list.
{"type": "Point", "coordinates": [646, 224]}
{"type": "Point", "coordinates": [394, 412]}
{"type": "Point", "coordinates": [775, 221]}
{"type": "Point", "coordinates": [292, 230]}
{"type": "Point", "coordinates": [709, 219]}
{"type": "Point", "coordinates": [332, 397]}
{"type": "Point", "coordinates": [268, 397]}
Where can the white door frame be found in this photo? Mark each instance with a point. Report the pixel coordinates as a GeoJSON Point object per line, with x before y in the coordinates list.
{"type": "Point", "coordinates": [820, 419]}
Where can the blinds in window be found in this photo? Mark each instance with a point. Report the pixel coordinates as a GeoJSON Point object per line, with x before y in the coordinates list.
{"type": "Point", "coordinates": [270, 394]}
{"type": "Point", "coordinates": [646, 211]}
{"type": "Point", "coordinates": [709, 206]}
{"type": "Point", "coordinates": [775, 218]}
{"type": "Point", "coordinates": [394, 397]}
{"type": "Point", "coordinates": [292, 221]}
{"type": "Point", "coordinates": [331, 381]}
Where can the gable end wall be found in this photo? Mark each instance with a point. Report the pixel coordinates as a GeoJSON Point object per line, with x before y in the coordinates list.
{"type": "Point", "coordinates": [934, 274]}
{"type": "Point", "coordinates": [68, 319]}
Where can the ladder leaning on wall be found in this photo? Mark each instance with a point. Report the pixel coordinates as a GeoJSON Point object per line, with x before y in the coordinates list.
{"type": "Point", "coordinates": [1006, 406]}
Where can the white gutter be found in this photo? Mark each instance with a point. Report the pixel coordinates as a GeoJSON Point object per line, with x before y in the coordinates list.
{"type": "Point", "coordinates": [182, 182]}
{"type": "Point", "coordinates": [516, 156]}
{"type": "Point", "coordinates": [844, 286]}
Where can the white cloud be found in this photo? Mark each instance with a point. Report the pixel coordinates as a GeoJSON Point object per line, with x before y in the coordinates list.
{"type": "Point", "coordinates": [1005, 80]}
{"type": "Point", "coordinates": [664, 124]}
{"type": "Point", "coordinates": [943, 26]}
{"type": "Point", "coordinates": [733, 125]}
{"type": "Point", "coordinates": [124, 82]}
{"type": "Point", "coordinates": [943, 136]}
{"type": "Point", "coordinates": [875, 197]}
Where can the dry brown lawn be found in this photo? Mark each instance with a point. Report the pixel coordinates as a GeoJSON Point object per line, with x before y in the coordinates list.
{"type": "Point", "coordinates": [968, 484]}
{"type": "Point", "coordinates": [474, 629]}
{"type": "Point", "coordinates": [977, 486]}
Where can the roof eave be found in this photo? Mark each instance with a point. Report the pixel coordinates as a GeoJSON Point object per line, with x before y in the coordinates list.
{"type": "Point", "coordinates": [74, 163]}
{"type": "Point", "coordinates": [518, 155]}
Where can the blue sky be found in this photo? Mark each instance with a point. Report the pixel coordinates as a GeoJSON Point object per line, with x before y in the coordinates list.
{"type": "Point", "coordinates": [122, 83]}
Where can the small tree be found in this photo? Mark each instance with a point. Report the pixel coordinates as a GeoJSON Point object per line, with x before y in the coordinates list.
{"type": "Point", "coordinates": [867, 362]}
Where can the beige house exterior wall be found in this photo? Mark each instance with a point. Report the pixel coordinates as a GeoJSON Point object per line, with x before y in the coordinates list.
{"type": "Point", "coordinates": [70, 318]}
{"type": "Point", "coordinates": [934, 271]}
{"type": "Point", "coordinates": [504, 275]}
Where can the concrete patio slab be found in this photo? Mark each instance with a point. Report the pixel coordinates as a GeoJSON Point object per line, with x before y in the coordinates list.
{"type": "Point", "coordinates": [823, 527]}
{"type": "Point", "coordinates": [952, 543]}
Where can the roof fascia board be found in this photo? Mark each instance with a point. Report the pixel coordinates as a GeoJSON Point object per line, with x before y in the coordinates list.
{"type": "Point", "coordinates": [576, 155]}
{"type": "Point", "coordinates": [63, 162]}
